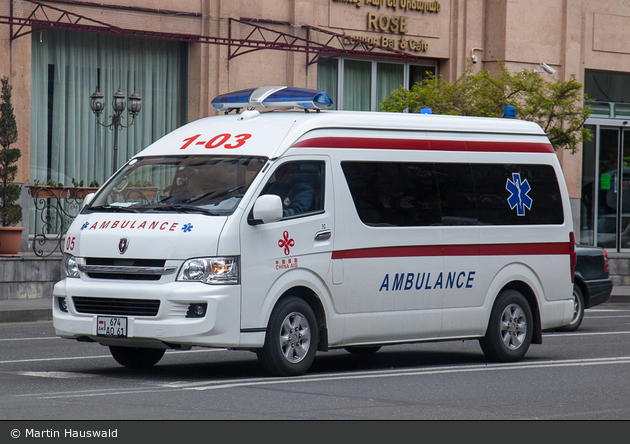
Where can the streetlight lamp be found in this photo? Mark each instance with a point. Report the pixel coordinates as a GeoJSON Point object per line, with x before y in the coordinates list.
{"type": "Point", "coordinates": [118, 103]}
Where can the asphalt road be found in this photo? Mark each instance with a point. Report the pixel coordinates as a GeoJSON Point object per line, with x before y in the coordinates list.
{"type": "Point", "coordinates": [572, 376]}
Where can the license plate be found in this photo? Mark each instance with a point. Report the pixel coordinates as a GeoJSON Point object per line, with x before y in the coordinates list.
{"type": "Point", "coordinates": [111, 326]}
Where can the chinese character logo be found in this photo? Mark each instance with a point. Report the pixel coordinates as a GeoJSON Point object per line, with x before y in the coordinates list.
{"type": "Point", "coordinates": [286, 243]}
{"type": "Point", "coordinates": [518, 194]}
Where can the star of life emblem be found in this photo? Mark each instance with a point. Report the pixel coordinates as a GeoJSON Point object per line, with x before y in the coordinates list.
{"type": "Point", "coordinates": [518, 194]}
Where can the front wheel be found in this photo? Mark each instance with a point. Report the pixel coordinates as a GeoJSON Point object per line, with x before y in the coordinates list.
{"type": "Point", "coordinates": [291, 339]}
{"type": "Point", "coordinates": [136, 357]}
{"type": "Point", "coordinates": [578, 311]}
{"type": "Point", "coordinates": [510, 328]}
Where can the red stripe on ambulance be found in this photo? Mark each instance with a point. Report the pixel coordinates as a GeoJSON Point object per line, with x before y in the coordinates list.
{"type": "Point", "coordinates": [456, 250]}
{"type": "Point", "coordinates": [423, 145]}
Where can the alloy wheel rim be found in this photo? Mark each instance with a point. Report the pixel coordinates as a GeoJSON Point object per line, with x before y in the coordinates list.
{"type": "Point", "coordinates": [295, 337]}
{"type": "Point", "coordinates": [513, 326]}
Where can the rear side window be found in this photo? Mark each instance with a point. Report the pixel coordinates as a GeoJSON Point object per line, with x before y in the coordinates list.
{"type": "Point", "coordinates": [425, 194]}
{"type": "Point", "coordinates": [531, 192]}
{"type": "Point", "coordinates": [394, 193]}
{"type": "Point", "coordinates": [457, 194]}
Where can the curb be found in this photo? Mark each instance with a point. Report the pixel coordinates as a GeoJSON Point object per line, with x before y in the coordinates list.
{"type": "Point", "coordinates": [25, 310]}
{"type": "Point", "coordinates": [25, 315]}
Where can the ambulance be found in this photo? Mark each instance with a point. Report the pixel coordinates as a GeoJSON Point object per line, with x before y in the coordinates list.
{"type": "Point", "coordinates": [284, 228]}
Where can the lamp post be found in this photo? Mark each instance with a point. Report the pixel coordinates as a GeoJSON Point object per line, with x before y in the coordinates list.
{"type": "Point", "coordinates": [118, 103]}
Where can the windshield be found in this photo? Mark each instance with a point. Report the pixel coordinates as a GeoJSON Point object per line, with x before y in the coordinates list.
{"type": "Point", "coordinates": [211, 185]}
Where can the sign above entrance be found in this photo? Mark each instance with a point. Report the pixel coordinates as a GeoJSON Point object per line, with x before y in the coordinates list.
{"type": "Point", "coordinates": [395, 19]}
{"type": "Point", "coordinates": [404, 5]}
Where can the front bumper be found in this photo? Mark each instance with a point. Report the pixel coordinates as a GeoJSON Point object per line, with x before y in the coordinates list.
{"type": "Point", "coordinates": [220, 327]}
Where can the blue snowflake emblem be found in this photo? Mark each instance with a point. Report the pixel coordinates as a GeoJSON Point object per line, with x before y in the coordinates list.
{"type": "Point", "coordinates": [85, 225]}
{"type": "Point", "coordinates": [518, 194]}
{"type": "Point", "coordinates": [187, 228]}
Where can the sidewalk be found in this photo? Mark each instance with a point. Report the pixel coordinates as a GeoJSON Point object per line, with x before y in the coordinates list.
{"type": "Point", "coordinates": [31, 310]}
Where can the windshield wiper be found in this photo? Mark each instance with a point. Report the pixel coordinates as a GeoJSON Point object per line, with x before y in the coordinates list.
{"type": "Point", "coordinates": [112, 209]}
{"type": "Point", "coordinates": [179, 208]}
{"type": "Point", "coordinates": [216, 197]}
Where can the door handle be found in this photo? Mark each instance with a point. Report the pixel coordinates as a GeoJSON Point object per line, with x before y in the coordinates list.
{"type": "Point", "coordinates": [323, 235]}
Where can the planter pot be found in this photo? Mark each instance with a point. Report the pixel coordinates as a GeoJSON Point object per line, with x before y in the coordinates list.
{"type": "Point", "coordinates": [10, 239]}
{"type": "Point", "coordinates": [50, 192]}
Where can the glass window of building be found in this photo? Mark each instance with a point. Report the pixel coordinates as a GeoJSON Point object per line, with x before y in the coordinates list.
{"type": "Point", "coordinates": [67, 67]}
{"type": "Point", "coordinates": [610, 92]}
{"type": "Point", "coordinates": [361, 85]}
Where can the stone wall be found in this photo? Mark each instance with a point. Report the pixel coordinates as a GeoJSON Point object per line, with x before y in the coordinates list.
{"type": "Point", "coordinates": [619, 268]}
{"type": "Point", "coordinates": [29, 277]}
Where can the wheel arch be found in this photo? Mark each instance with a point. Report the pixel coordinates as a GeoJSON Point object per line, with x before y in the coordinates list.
{"type": "Point", "coordinates": [524, 278]}
{"type": "Point", "coordinates": [309, 296]}
{"type": "Point", "coordinates": [306, 285]}
{"type": "Point", "coordinates": [529, 294]}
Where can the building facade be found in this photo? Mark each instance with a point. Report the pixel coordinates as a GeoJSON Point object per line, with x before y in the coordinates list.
{"type": "Point", "coordinates": [179, 54]}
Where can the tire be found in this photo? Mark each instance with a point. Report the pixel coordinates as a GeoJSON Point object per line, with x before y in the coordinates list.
{"type": "Point", "coordinates": [363, 350]}
{"type": "Point", "coordinates": [291, 339]}
{"type": "Point", "coordinates": [510, 328]}
{"type": "Point", "coordinates": [578, 311]}
{"type": "Point", "coordinates": [135, 357]}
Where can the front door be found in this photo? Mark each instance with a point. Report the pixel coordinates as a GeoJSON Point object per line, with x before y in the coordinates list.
{"type": "Point", "coordinates": [294, 251]}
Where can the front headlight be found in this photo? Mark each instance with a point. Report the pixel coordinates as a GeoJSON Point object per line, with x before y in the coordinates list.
{"type": "Point", "coordinates": [70, 265]}
{"type": "Point", "coordinates": [210, 270]}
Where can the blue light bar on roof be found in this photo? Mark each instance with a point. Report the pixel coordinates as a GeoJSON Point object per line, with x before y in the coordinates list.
{"type": "Point", "coordinates": [273, 96]}
{"type": "Point", "coordinates": [509, 112]}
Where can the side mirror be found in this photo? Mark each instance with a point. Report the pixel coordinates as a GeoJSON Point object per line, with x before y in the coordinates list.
{"type": "Point", "coordinates": [268, 208]}
{"type": "Point", "coordinates": [88, 199]}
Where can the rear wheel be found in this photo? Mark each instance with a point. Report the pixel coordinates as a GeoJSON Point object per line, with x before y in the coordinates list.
{"type": "Point", "coordinates": [291, 339]}
{"type": "Point", "coordinates": [578, 311]}
{"type": "Point", "coordinates": [510, 328]}
{"type": "Point", "coordinates": [136, 357]}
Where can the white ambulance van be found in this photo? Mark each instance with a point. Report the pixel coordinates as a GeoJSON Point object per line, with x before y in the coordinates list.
{"type": "Point", "coordinates": [285, 232]}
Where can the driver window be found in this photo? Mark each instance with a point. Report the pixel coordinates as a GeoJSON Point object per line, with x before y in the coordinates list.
{"type": "Point", "coordinates": [300, 186]}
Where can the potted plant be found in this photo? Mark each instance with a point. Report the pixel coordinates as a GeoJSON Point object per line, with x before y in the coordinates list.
{"type": "Point", "coordinates": [10, 208]}
{"type": "Point", "coordinates": [51, 189]}
{"type": "Point", "coordinates": [82, 191]}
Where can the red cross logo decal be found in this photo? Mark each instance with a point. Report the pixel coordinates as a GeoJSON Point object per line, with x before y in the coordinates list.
{"type": "Point", "coordinates": [285, 243]}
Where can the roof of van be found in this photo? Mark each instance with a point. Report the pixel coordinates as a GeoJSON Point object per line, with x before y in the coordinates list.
{"type": "Point", "coordinates": [271, 133]}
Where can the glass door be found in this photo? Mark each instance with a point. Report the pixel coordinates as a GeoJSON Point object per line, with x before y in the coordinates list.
{"type": "Point", "coordinates": [613, 200]}
{"type": "Point", "coordinates": [623, 216]}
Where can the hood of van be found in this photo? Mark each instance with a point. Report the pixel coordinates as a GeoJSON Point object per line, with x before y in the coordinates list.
{"type": "Point", "coordinates": [144, 236]}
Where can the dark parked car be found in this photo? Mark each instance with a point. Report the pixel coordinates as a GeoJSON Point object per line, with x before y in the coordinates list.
{"type": "Point", "coordinates": [592, 284]}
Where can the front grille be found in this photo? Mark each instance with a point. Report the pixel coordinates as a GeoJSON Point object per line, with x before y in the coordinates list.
{"type": "Point", "coordinates": [125, 269]}
{"type": "Point", "coordinates": [124, 262]}
{"type": "Point", "coordinates": [116, 306]}
{"type": "Point", "coordinates": [125, 276]}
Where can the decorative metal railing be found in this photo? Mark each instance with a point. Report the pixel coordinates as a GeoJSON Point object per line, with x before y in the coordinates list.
{"type": "Point", "coordinates": [55, 209]}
